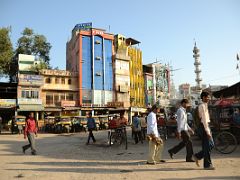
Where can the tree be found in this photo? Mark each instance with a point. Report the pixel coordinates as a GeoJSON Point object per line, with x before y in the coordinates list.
{"type": "Point", "coordinates": [39, 66]}
{"type": "Point", "coordinates": [6, 51]}
{"type": "Point", "coordinates": [31, 44]}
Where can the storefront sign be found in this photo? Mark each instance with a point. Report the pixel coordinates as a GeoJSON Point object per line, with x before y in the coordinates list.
{"type": "Point", "coordinates": [7, 102]}
{"type": "Point", "coordinates": [27, 79]}
{"type": "Point", "coordinates": [29, 101]}
{"type": "Point", "coordinates": [68, 103]}
{"type": "Point", "coordinates": [115, 104]}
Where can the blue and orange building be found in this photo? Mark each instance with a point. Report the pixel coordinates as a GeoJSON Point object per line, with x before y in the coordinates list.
{"type": "Point", "coordinates": [89, 53]}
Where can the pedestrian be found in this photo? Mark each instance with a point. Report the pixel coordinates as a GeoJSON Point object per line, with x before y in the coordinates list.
{"type": "Point", "coordinates": [29, 132]}
{"type": "Point", "coordinates": [183, 132]}
{"type": "Point", "coordinates": [91, 125]}
{"type": "Point", "coordinates": [137, 128]}
{"type": "Point", "coordinates": [155, 142]}
{"type": "Point", "coordinates": [143, 124]}
{"type": "Point", "coordinates": [205, 134]}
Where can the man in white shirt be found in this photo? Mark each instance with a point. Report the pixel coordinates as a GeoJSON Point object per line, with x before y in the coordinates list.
{"type": "Point", "coordinates": [155, 142]}
{"type": "Point", "coordinates": [183, 130]}
{"type": "Point", "coordinates": [205, 133]}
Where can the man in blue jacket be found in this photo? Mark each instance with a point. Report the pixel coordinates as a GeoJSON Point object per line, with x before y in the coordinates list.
{"type": "Point", "coordinates": [91, 125]}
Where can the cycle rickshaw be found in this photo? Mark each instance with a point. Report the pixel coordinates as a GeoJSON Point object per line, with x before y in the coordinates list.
{"type": "Point", "coordinates": [117, 133]}
{"type": "Point", "coordinates": [222, 125]}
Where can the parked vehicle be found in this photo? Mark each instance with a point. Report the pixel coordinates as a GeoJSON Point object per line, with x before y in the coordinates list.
{"type": "Point", "coordinates": [63, 124]}
{"type": "Point", "coordinates": [49, 123]}
{"type": "Point", "coordinates": [17, 124]}
{"type": "Point", "coordinates": [76, 124]}
{"type": "Point", "coordinates": [82, 120]}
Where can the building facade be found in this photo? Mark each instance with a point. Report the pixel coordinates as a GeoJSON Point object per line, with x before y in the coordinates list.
{"type": "Point", "coordinates": [121, 71]}
{"type": "Point", "coordinates": [157, 84]}
{"type": "Point", "coordinates": [136, 74]}
{"type": "Point", "coordinates": [29, 88]}
{"type": "Point", "coordinates": [59, 92]}
{"type": "Point", "coordinates": [90, 54]}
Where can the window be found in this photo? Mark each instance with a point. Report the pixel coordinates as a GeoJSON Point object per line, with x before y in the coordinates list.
{"type": "Point", "coordinates": [57, 80]}
{"type": "Point", "coordinates": [48, 80]}
{"type": "Point", "coordinates": [56, 100]}
{"type": "Point", "coordinates": [32, 94]}
{"type": "Point", "coordinates": [69, 97]}
{"type": "Point", "coordinates": [97, 42]}
{"type": "Point", "coordinates": [69, 81]}
{"type": "Point", "coordinates": [98, 58]}
{"type": "Point", "coordinates": [49, 99]}
{"type": "Point", "coordinates": [63, 80]}
{"type": "Point", "coordinates": [62, 96]}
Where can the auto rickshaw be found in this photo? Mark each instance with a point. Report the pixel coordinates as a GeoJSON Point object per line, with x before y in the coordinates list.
{"type": "Point", "coordinates": [76, 124]}
{"type": "Point", "coordinates": [63, 124]}
{"type": "Point", "coordinates": [18, 124]}
{"type": "Point", "coordinates": [49, 123]}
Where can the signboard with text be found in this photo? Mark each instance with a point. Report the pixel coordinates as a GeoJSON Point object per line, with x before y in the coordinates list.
{"type": "Point", "coordinates": [83, 26]}
{"type": "Point", "coordinates": [29, 101]}
{"type": "Point", "coordinates": [7, 102]}
{"type": "Point", "coordinates": [29, 79]}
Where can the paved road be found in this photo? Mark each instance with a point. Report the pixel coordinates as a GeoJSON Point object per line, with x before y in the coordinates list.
{"type": "Point", "coordinates": [66, 156]}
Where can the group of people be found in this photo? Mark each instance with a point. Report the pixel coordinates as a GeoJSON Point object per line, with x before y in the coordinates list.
{"type": "Point", "coordinates": [184, 132]}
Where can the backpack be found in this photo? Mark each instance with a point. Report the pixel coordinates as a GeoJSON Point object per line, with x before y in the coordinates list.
{"type": "Point", "coordinates": [196, 118]}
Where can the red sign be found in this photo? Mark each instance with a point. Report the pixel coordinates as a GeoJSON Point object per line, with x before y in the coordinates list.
{"type": "Point", "coordinates": [97, 32]}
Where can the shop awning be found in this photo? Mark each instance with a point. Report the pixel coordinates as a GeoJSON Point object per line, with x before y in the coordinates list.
{"type": "Point", "coordinates": [32, 107]}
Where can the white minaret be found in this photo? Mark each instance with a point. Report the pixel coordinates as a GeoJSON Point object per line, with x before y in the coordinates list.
{"type": "Point", "coordinates": [197, 65]}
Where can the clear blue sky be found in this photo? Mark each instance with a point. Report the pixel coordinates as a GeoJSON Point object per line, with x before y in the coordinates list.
{"type": "Point", "coordinates": [166, 30]}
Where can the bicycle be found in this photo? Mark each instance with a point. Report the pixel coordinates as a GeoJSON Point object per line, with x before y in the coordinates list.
{"type": "Point", "coordinates": [118, 136]}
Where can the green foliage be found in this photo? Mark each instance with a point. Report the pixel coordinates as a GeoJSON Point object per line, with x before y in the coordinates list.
{"type": "Point", "coordinates": [39, 66]}
{"type": "Point", "coordinates": [6, 51]}
{"type": "Point", "coordinates": [34, 44]}
{"type": "Point", "coordinates": [31, 44]}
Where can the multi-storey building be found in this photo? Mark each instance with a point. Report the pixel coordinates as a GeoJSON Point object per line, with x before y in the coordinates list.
{"type": "Point", "coordinates": [157, 83]}
{"type": "Point", "coordinates": [90, 54]}
{"type": "Point", "coordinates": [121, 71]}
{"type": "Point", "coordinates": [29, 88]}
{"type": "Point", "coordinates": [148, 85]}
{"type": "Point", "coordinates": [59, 92]}
{"type": "Point", "coordinates": [136, 74]}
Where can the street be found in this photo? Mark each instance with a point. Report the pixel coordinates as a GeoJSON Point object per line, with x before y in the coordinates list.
{"type": "Point", "coordinates": [66, 156]}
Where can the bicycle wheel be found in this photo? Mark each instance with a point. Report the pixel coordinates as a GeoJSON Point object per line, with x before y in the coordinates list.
{"type": "Point", "coordinates": [225, 142]}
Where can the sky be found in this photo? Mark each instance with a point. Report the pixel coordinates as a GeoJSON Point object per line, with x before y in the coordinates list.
{"type": "Point", "coordinates": [167, 30]}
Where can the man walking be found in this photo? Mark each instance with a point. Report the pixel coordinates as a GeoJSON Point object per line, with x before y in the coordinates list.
{"type": "Point", "coordinates": [137, 129]}
{"type": "Point", "coordinates": [29, 132]}
{"type": "Point", "coordinates": [205, 133]}
{"type": "Point", "coordinates": [183, 130]}
{"type": "Point", "coordinates": [91, 126]}
{"type": "Point", "coordinates": [155, 142]}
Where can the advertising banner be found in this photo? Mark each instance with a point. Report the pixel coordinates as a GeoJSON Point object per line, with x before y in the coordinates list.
{"type": "Point", "coordinates": [7, 103]}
